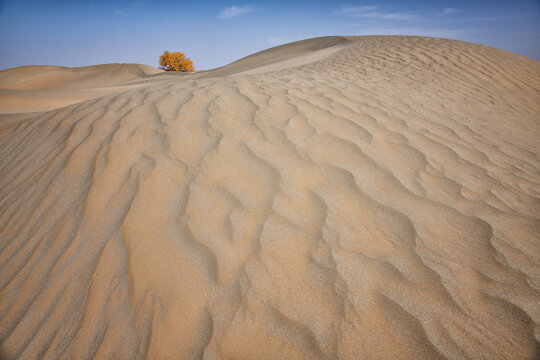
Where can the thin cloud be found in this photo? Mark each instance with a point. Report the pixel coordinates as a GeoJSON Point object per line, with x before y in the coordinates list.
{"type": "Point", "coordinates": [373, 12]}
{"type": "Point", "coordinates": [450, 11]}
{"type": "Point", "coordinates": [401, 23]}
{"type": "Point", "coordinates": [500, 18]}
{"type": "Point", "coordinates": [355, 10]}
{"type": "Point", "coordinates": [234, 11]}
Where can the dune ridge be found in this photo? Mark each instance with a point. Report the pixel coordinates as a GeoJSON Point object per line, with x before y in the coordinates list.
{"type": "Point", "coordinates": [375, 197]}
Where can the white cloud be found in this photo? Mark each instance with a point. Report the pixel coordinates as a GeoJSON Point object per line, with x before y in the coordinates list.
{"type": "Point", "coordinates": [450, 11]}
{"type": "Point", "coordinates": [402, 23]}
{"type": "Point", "coordinates": [373, 12]}
{"type": "Point", "coordinates": [234, 11]}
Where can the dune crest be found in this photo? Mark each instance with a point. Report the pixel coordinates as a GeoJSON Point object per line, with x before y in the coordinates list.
{"type": "Point", "coordinates": [374, 197]}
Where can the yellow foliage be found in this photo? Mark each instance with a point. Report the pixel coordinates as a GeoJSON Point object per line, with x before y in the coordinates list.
{"type": "Point", "coordinates": [176, 61]}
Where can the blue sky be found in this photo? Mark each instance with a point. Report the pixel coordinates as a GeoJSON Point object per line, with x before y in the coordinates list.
{"type": "Point", "coordinates": [214, 33]}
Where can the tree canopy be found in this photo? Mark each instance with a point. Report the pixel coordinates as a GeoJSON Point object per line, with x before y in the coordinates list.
{"type": "Point", "coordinates": [176, 61]}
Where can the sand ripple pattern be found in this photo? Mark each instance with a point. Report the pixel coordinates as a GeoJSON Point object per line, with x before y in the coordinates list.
{"type": "Point", "coordinates": [380, 203]}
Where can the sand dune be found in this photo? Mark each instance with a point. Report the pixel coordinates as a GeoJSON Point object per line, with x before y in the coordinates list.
{"type": "Point", "coordinates": [336, 198]}
{"type": "Point", "coordinates": [38, 88]}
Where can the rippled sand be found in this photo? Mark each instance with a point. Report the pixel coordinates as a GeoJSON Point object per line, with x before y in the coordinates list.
{"type": "Point", "coordinates": [337, 198]}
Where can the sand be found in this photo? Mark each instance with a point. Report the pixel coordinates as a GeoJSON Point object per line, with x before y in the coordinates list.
{"type": "Point", "coordinates": [336, 198]}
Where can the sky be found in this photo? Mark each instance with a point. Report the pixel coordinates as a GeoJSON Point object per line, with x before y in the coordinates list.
{"type": "Point", "coordinates": [215, 33]}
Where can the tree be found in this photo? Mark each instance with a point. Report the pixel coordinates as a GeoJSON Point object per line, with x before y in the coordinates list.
{"type": "Point", "coordinates": [176, 61]}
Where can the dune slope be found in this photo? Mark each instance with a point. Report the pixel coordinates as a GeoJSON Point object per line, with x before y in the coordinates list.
{"type": "Point", "coordinates": [377, 198]}
{"type": "Point", "coordinates": [39, 88]}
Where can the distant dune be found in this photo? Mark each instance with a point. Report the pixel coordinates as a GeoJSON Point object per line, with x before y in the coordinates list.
{"type": "Point", "coordinates": [370, 197]}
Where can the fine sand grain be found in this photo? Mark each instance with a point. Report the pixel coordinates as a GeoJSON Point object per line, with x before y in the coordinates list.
{"type": "Point", "coordinates": [336, 198]}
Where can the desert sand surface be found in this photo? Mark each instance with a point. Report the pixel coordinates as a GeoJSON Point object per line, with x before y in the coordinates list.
{"type": "Point", "coordinates": [367, 197]}
{"type": "Point", "coordinates": [39, 88]}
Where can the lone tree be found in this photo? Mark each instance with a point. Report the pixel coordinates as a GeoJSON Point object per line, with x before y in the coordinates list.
{"type": "Point", "coordinates": [176, 61]}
